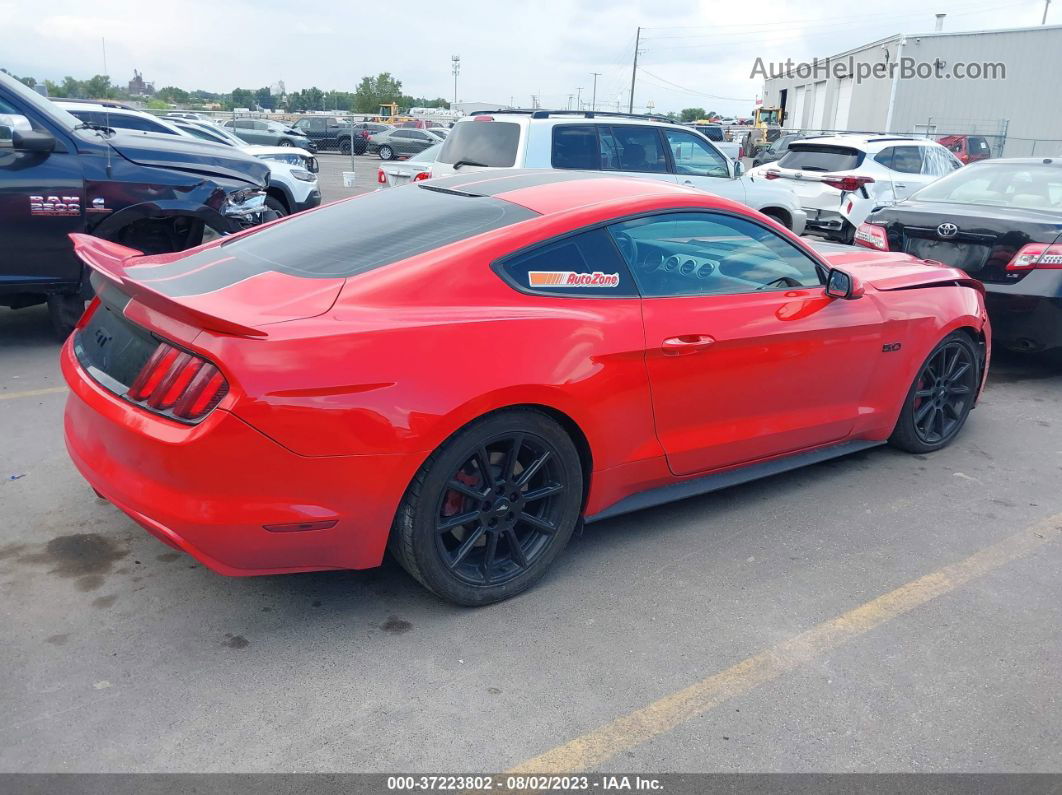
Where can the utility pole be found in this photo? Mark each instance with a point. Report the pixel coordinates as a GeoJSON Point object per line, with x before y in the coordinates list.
{"type": "Point", "coordinates": [455, 61]}
{"type": "Point", "coordinates": [634, 70]}
{"type": "Point", "coordinates": [569, 102]}
{"type": "Point", "coordinates": [593, 100]}
{"type": "Point", "coordinates": [1046, 4]}
{"type": "Point", "coordinates": [579, 98]}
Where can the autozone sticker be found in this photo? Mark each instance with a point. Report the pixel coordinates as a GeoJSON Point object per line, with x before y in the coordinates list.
{"type": "Point", "coordinates": [572, 279]}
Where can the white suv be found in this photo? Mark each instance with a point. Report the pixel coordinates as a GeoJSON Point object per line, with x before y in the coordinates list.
{"type": "Point", "coordinates": [629, 145]}
{"type": "Point", "coordinates": [840, 179]}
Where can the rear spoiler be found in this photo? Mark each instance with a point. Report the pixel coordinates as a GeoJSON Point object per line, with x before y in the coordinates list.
{"type": "Point", "coordinates": [110, 260]}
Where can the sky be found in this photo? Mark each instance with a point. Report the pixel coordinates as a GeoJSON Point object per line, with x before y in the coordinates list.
{"type": "Point", "coordinates": [693, 53]}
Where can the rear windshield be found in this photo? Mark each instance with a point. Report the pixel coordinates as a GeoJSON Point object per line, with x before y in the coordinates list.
{"type": "Point", "coordinates": [1036, 186]}
{"type": "Point", "coordinates": [482, 143]}
{"type": "Point", "coordinates": [343, 239]}
{"type": "Point", "coordinates": [821, 157]}
{"type": "Point", "coordinates": [712, 133]}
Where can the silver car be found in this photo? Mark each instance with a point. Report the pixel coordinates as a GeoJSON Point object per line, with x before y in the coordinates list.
{"type": "Point", "coordinates": [402, 172]}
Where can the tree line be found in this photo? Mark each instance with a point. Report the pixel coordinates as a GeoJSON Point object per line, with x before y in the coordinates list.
{"type": "Point", "coordinates": [370, 94]}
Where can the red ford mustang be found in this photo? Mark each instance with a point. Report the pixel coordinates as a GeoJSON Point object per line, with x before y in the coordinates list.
{"type": "Point", "coordinates": [465, 368]}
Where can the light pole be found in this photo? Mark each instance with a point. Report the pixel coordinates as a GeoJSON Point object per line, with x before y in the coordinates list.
{"type": "Point", "coordinates": [579, 98]}
{"type": "Point", "coordinates": [593, 100]}
{"type": "Point", "coordinates": [455, 61]}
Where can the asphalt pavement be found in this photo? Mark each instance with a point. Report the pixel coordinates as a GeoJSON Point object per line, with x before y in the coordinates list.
{"type": "Point", "coordinates": [880, 612]}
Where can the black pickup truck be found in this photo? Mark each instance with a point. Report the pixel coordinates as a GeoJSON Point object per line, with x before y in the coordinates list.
{"type": "Point", "coordinates": [152, 193]}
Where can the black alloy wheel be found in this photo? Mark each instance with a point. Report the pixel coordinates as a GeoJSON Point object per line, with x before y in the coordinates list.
{"type": "Point", "coordinates": [941, 397]}
{"type": "Point", "coordinates": [500, 509]}
{"type": "Point", "coordinates": [491, 509]}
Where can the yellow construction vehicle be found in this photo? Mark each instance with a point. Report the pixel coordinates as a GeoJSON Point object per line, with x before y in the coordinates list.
{"type": "Point", "coordinates": [766, 126]}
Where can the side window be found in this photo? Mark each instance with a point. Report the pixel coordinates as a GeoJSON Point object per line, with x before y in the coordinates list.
{"type": "Point", "coordinates": [710, 254]}
{"type": "Point", "coordinates": [244, 124]}
{"type": "Point", "coordinates": [261, 125]}
{"type": "Point", "coordinates": [400, 134]}
{"type": "Point", "coordinates": [142, 124]}
{"type": "Point", "coordinates": [907, 159]}
{"type": "Point", "coordinates": [885, 156]}
{"type": "Point", "coordinates": [582, 265]}
{"type": "Point", "coordinates": [632, 148]}
{"type": "Point", "coordinates": [695, 157]}
{"type": "Point", "coordinates": [576, 146]}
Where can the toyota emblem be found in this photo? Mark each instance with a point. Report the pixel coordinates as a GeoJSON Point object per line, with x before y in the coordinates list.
{"type": "Point", "coordinates": [947, 230]}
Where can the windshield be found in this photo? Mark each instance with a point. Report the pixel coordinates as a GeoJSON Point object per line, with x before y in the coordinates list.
{"type": "Point", "coordinates": [1033, 185]}
{"type": "Point", "coordinates": [821, 157]}
{"type": "Point", "coordinates": [482, 143]}
{"type": "Point", "coordinates": [39, 103]}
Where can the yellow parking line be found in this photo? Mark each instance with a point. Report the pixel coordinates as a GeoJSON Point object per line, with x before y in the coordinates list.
{"type": "Point", "coordinates": [52, 390]}
{"type": "Point", "coordinates": [591, 749]}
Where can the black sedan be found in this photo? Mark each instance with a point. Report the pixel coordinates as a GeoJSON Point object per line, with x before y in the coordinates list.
{"type": "Point", "coordinates": [1001, 222]}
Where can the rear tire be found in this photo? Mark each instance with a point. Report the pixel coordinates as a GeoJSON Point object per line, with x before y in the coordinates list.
{"type": "Point", "coordinates": [941, 397]}
{"type": "Point", "coordinates": [65, 311]}
{"type": "Point", "coordinates": [519, 509]}
{"type": "Point", "coordinates": [344, 146]}
{"type": "Point", "coordinates": [386, 153]}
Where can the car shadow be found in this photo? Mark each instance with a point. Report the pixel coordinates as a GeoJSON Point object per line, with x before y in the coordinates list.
{"type": "Point", "coordinates": [26, 328]}
{"type": "Point", "coordinates": [1009, 367]}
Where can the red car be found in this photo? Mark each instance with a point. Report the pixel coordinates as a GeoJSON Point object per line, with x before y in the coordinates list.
{"type": "Point", "coordinates": [463, 369]}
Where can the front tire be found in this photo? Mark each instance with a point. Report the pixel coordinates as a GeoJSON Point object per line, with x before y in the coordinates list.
{"type": "Point", "coordinates": [287, 142]}
{"type": "Point", "coordinates": [65, 311]}
{"type": "Point", "coordinates": [276, 205]}
{"type": "Point", "coordinates": [491, 509]}
{"type": "Point", "coordinates": [941, 397]}
{"type": "Point", "coordinates": [386, 153]}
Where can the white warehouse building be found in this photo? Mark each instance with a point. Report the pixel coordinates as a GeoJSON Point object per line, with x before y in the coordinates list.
{"type": "Point", "coordinates": [865, 89]}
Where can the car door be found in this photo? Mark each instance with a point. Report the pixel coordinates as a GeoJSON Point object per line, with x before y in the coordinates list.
{"type": "Point", "coordinates": [700, 165]}
{"type": "Point", "coordinates": [420, 140]}
{"type": "Point", "coordinates": [42, 198]}
{"type": "Point", "coordinates": [746, 355]}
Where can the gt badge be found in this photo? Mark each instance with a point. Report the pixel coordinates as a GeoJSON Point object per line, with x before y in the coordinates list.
{"type": "Point", "coordinates": [892, 347]}
{"type": "Point", "coordinates": [55, 205]}
{"type": "Point", "coordinates": [572, 279]}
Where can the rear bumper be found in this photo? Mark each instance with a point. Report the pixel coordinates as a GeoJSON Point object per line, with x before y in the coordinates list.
{"type": "Point", "coordinates": [824, 220]}
{"type": "Point", "coordinates": [210, 489]}
{"type": "Point", "coordinates": [1027, 316]}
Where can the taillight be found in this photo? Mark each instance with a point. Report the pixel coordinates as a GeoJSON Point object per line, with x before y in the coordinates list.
{"type": "Point", "coordinates": [422, 175]}
{"type": "Point", "coordinates": [381, 177]}
{"type": "Point", "coordinates": [741, 152]}
{"type": "Point", "coordinates": [178, 383]}
{"type": "Point", "coordinates": [1037, 255]}
{"type": "Point", "coordinates": [848, 183]}
{"type": "Point", "coordinates": [872, 236]}
{"type": "Point", "coordinates": [483, 118]}
{"type": "Point", "coordinates": [772, 174]}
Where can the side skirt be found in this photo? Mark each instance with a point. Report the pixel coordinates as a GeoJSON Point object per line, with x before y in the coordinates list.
{"type": "Point", "coordinates": [731, 477]}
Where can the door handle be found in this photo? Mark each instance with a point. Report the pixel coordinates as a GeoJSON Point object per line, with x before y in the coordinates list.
{"type": "Point", "coordinates": [686, 343]}
{"type": "Point", "coordinates": [688, 182]}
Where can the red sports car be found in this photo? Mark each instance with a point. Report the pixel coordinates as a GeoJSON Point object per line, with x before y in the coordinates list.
{"type": "Point", "coordinates": [464, 369]}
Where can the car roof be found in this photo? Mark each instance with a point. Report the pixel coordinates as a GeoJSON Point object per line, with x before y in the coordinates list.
{"type": "Point", "coordinates": [1020, 161]}
{"type": "Point", "coordinates": [865, 143]}
{"type": "Point", "coordinates": [573, 117]}
{"type": "Point", "coordinates": [548, 191]}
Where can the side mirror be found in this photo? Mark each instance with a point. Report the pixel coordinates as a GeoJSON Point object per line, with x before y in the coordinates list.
{"type": "Point", "coordinates": [11, 123]}
{"type": "Point", "coordinates": [32, 141]}
{"type": "Point", "coordinates": [843, 285]}
{"type": "Point", "coordinates": [739, 169]}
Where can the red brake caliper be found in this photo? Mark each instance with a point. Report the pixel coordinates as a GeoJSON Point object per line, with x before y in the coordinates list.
{"type": "Point", "coordinates": [455, 501]}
